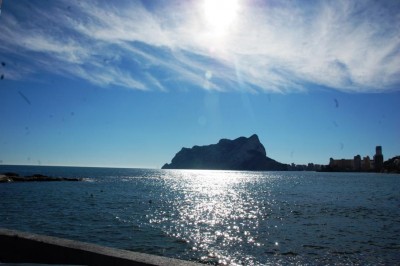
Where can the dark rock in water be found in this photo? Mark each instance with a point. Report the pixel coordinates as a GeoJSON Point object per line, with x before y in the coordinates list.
{"type": "Point", "coordinates": [10, 174]}
{"type": "Point", "coordinates": [239, 154]}
{"type": "Point", "coordinates": [13, 177]}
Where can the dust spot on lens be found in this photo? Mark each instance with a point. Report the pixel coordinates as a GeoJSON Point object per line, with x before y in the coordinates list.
{"type": "Point", "coordinates": [24, 97]}
{"type": "Point", "coordinates": [341, 145]}
{"type": "Point", "coordinates": [336, 103]}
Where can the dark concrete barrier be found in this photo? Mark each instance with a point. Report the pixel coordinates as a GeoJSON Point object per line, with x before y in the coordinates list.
{"type": "Point", "coordinates": [21, 247]}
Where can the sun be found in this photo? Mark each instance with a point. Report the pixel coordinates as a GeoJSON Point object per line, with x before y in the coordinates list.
{"type": "Point", "coordinates": [220, 14]}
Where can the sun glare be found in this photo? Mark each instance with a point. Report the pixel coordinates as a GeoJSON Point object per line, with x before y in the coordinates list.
{"type": "Point", "coordinates": [220, 14]}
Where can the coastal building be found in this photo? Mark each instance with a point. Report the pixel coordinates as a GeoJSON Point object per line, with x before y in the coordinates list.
{"type": "Point", "coordinates": [366, 164]}
{"type": "Point", "coordinates": [305, 167]}
{"type": "Point", "coordinates": [378, 159]}
{"type": "Point", "coordinates": [342, 164]}
{"type": "Point", "coordinates": [357, 164]}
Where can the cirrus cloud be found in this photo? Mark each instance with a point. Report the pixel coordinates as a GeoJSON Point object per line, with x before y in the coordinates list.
{"type": "Point", "coordinates": [351, 46]}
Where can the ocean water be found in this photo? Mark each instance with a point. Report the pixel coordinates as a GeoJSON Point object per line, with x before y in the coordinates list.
{"type": "Point", "coordinates": [215, 217]}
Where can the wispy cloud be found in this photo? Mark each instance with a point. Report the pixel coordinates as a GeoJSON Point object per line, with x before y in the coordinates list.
{"type": "Point", "coordinates": [271, 46]}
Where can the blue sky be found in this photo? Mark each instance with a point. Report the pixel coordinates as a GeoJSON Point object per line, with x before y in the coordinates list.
{"type": "Point", "coordinates": [128, 83]}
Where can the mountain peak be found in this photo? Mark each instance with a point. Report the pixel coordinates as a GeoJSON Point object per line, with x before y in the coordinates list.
{"type": "Point", "coordinates": [254, 136]}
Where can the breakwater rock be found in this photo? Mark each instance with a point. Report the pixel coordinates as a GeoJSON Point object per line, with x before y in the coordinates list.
{"type": "Point", "coordinates": [14, 177]}
{"type": "Point", "coordinates": [247, 154]}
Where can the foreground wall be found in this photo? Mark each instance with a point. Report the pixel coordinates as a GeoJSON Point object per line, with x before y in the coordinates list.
{"type": "Point", "coordinates": [20, 247]}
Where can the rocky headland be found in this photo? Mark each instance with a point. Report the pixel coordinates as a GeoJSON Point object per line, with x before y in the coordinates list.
{"type": "Point", "coordinates": [14, 177]}
{"type": "Point", "coordinates": [246, 154]}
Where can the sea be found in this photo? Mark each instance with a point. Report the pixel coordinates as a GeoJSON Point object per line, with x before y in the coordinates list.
{"type": "Point", "coordinates": [215, 217]}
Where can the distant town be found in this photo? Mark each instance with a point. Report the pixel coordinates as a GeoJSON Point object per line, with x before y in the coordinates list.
{"type": "Point", "coordinates": [357, 164]}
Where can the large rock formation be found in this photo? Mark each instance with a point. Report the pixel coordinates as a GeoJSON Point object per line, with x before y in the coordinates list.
{"type": "Point", "coordinates": [239, 154]}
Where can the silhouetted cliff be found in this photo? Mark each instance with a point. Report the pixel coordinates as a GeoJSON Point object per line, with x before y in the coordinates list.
{"type": "Point", "coordinates": [239, 154]}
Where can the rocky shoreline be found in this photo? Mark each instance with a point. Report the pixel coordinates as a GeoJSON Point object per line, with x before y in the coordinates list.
{"type": "Point", "coordinates": [14, 177]}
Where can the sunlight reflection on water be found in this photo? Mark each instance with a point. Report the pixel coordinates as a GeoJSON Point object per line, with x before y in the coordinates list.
{"type": "Point", "coordinates": [253, 218]}
{"type": "Point", "coordinates": [214, 212]}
